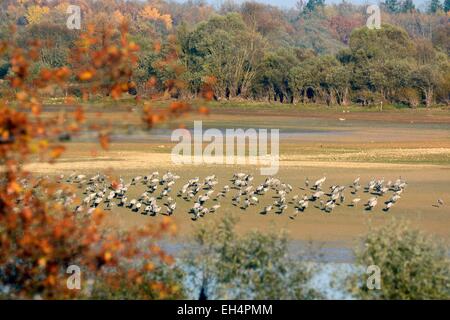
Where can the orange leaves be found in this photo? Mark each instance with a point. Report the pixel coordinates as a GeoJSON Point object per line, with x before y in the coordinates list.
{"type": "Point", "coordinates": [36, 107]}
{"type": "Point", "coordinates": [150, 266]}
{"type": "Point", "coordinates": [157, 286]}
{"type": "Point", "coordinates": [14, 127]}
{"type": "Point", "coordinates": [19, 66]}
{"type": "Point", "coordinates": [45, 246]}
{"type": "Point", "coordinates": [62, 74]}
{"type": "Point", "coordinates": [179, 107]}
{"type": "Point", "coordinates": [42, 262]}
{"type": "Point", "coordinates": [4, 135]}
{"type": "Point", "coordinates": [153, 14]}
{"type": "Point", "coordinates": [152, 117]}
{"type": "Point", "coordinates": [107, 256]}
{"type": "Point", "coordinates": [97, 216]}
{"type": "Point", "coordinates": [157, 47]}
{"type": "Point", "coordinates": [207, 88]}
{"type": "Point", "coordinates": [156, 250]}
{"type": "Point", "coordinates": [63, 227]}
{"type": "Point", "coordinates": [108, 66]}
{"type": "Point", "coordinates": [27, 101]}
{"type": "Point", "coordinates": [27, 214]}
{"type": "Point", "coordinates": [48, 76]}
{"type": "Point", "coordinates": [69, 100]}
{"type": "Point", "coordinates": [86, 75]}
{"type": "Point", "coordinates": [208, 95]}
{"type": "Point", "coordinates": [19, 63]}
{"type": "Point", "coordinates": [104, 140]}
{"type": "Point", "coordinates": [168, 259]}
{"type": "Point", "coordinates": [209, 80]}
{"type": "Point", "coordinates": [118, 17]}
{"type": "Point", "coordinates": [168, 225]}
{"type": "Point", "coordinates": [56, 152]}
{"type": "Point", "coordinates": [46, 234]}
{"type": "Point", "coordinates": [15, 82]}
{"type": "Point", "coordinates": [120, 88]}
{"type": "Point", "coordinates": [50, 281]}
{"type": "Point", "coordinates": [152, 82]}
{"type": "Point", "coordinates": [115, 184]}
{"type": "Point", "coordinates": [3, 47]}
{"type": "Point", "coordinates": [203, 110]}
{"type": "Point", "coordinates": [58, 231]}
{"type": "Point", "coordinates": [21, 96]}
{"type": "Point", "coordinates": [116, 91]}
{"type": "Point", "coordinates": [113, 52]}
{"type": "Point", "coordinates": [133, 46]}
{"type": "Point", "coordinates": [150, 13]}
{"type": "Point", "coordinates": [79, 115]}
{"type": "Point", "coordinates": [33, 54]}
{"type": "Point", "coordinates": [13, 187]}
{"type": "Point", "coordinates": [167, 19]}
{"type": "Point", "coordinates": [45, 74]}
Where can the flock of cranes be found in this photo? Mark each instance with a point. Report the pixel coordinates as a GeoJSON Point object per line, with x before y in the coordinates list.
{"type": "Point", "coordinates": [160, 193]}
{"type": "Point", "coordinates": [203, 195]}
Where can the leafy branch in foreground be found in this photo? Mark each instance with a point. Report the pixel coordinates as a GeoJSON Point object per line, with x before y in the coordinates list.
{"type": "Point", "coordinates": [413, 265]}
{"type": "Point", "coordinates": [226, 265]}
{"type": "Point", "coordinates": [40, 236]}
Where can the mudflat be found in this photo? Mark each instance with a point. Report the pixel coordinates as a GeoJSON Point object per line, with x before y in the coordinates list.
{"type": "Point", "coordinates": [411, 144]}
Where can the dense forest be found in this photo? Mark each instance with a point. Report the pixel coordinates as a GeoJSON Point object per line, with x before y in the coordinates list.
{"type": "Point", "coordinates": [313, 53]}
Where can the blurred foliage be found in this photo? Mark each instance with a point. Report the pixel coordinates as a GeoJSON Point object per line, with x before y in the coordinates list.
{"type": "Point", "coordinates": [226, 265]}
{"type": "Point", "coordinates": [41, 233]}
{"type": "Point", "coordinates": [413, 265]}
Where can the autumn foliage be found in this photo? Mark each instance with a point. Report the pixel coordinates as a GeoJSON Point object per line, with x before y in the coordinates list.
{"type": "Point", "coordinates": [40, 235]}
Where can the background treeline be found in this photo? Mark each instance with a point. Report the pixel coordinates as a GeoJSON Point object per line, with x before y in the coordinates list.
{"type": "Point", "coordinates": [314, 53]}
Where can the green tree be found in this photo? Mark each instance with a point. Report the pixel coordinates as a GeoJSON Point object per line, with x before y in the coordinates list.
{"type": "Point", "coordinates": [441, 38]}
{"type": "Point", "coordinates": [392, 6]}
{"type": "Point", "coordinates": [389, 42]}
{"type": "Point", "coordinates": [427, 78]}
{"type": "Point", "coordinates": [407, 6]}
{"type": "Point", "coordinates": [447, 5]}
{"type": "Point", "coordinates": [226, 265]}
{"type": "Point", "coordinates": [273, 76]}
{"type": "Point", "coordinates": [144, 289]}
{"type": "Point", "coordinates": [225, 48]}
{"type": "Point", "coordinates": [4, 68]}
{"type": "Point", "coordinates": [339, 83]}
{"type": "Point", "coordinates": [314, 5]}
{"type": "Point", "coordinates": [435, 6]}
{"type": "Point", "coordinates": [412, 264]}
{"type": "Point", "coordinates": [373, 56]}
{"type": "Point", "coordinates": [318, 79]}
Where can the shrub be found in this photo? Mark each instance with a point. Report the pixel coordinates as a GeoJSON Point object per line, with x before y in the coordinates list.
{"type": "Point", "coordinates": [226, 265]}
{"type": "Point", "coordinates": [413, 265]}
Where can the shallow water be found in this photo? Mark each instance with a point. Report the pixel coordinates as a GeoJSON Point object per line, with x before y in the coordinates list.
{"type": "Point", "coordinates": [164, 135]}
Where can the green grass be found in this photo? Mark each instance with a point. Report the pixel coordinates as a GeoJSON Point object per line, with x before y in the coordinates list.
{"type": "Point", "coordinates": [108, 102]}
{"type": "Point", "coordinates": [251, 105]}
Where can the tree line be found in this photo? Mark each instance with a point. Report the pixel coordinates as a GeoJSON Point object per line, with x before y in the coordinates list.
{"type": "Point", "coordinates": [314, 53]}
